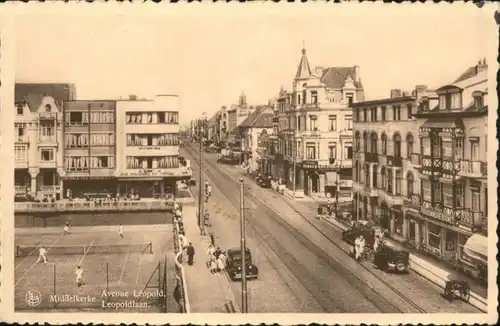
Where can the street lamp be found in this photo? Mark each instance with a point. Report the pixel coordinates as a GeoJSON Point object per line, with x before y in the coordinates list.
{"type": "Point", "coordinates": [244, 304]}
{"type": "Point", "coordinates": [200, 194]}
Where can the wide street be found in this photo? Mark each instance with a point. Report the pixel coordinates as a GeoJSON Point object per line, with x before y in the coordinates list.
{"type": "Point", "coordinates": [300, 268]}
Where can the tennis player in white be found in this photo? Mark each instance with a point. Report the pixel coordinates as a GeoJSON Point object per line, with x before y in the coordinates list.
{"type": "Point", "coordinates": [120, 231]}
{"type": "Point", "coordinates": [41, 255]}
{"type": "Point", "coordinates": [79, 276]}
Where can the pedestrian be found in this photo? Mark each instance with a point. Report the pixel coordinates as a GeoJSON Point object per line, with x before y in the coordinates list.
{"type": "Point", "coordinates": [221, 262]}
{"type": "Point", "coordinates": [209, 190]}
{"type": "Point", "coordinates": [120, 231]}
{"type": "Point", "coordinates": [357, 247]}
{"type": "Point", "coordinates": [41, 255]}
{"type": "Point", "coordinates": [190, 253]}
{"type": "Point", "coordinates": [212, 265]}
{"type": "Point", "coordinates": [66, 228]}
{"type": "Point", "coordinates": [210, 254]}
{"type": "Point", "coordinates": [320, 212]}
{"type": "Point", "coordinates": [217, 253]}
{"type": "Point", "coordinates": [184, 240]}
{"type": "Point", "coordinates": [362, 245]}
{"type": "Point", "coordinates": [376, 243]}
{"type": "Point", "coordinates": [79, 276]}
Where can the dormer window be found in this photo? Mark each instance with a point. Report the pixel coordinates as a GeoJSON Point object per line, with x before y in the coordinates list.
{"type": "Point", "coordinates": [20, 109]}
{"type": "Point", "coordinates": [478, 99]}
{"type": "Point", "coordinates": [349, 98]}
{"type": "Point", "coordinates": [314, 97]}
{"type": "Point", "coordinates": [450, 101]}
{"type": "Point", "coordinates": [48, 108]}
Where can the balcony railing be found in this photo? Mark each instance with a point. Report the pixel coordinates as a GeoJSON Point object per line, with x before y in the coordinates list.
{"type": "Point", "coordinates": [371, 157]}
{"type": "Point", "coordinates": [414, 202]}
{"type": "Point", "coordinates": [394, 161]}
{"type": "Point", "coordinates": [470, 218]}
{"type": "Point", "coordinates": [84, 206]}
{"type": "Point", "coordinates": [309, 133]}
{"type": "Point", "coordinates": [442, 214]}
{"type": "Point", "coordinates": [473, 168]}
{"type": "Point", "coordinates": [19, 190]}
{"type": "Point", "coordinates": [47, 139]}
{"type": "Point", "coordinates": [47, 115]}
{"type": "Point", "coordinates": [415, 159]}
{"type": "Point", "coordinates": [21, 139]}
{"type": "Point", "coordinates": [47, 190]}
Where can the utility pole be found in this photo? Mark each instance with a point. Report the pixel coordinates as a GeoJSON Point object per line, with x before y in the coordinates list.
{"type": "Point", "coordinates": [244, 304]}
{"type": "Point", "coordinates": [200, 194]}
{"type": "Point", "coordinates": [337, 195]}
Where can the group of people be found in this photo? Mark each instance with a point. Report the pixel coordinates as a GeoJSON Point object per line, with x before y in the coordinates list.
{"type": "Point", "coordinates": [360, 245]}
{"type": "Point", "coordinates": [216, 259]}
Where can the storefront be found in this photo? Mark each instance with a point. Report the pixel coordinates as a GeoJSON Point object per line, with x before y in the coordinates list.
{"type": "Point", "coordinates": [416, 228]}
{"type": "Point", "coordinates": [474, 255]}
{"type": "Point", "coordinates": [148, 184]}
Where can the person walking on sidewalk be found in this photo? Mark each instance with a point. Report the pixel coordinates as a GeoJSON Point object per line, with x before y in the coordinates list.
{"type": "Point", "coordinates": [190, 254]}
{"type": "Point", "coordinates": [221, 262]}
{"type": "Point", "coordinates": [210, 253]}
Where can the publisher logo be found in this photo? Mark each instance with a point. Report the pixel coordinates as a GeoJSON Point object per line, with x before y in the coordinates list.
{"type": "Point", "coordinates": [33, 298]}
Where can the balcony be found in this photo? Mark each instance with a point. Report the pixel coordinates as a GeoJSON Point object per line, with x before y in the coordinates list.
{"type": "Point", "coordinates": [49, 190]}
{"type": "Point", "coordinates": [47, 164]}
{"type": "Point", "coordinates": [371, 191]}
{"type": "Point", "coordinates": [19, 190]}
{"type": "Point", "coordinates": [47, 115]}
{"type": "Point", "coordinates": [415, 160]}
{"type": "Point", "coordinates": [371, 157]}
{"type": "Point", "coordinates": [470, 219]}
{"type": "Point", "coordinates": [472, 169]}
{"type": "Point", "coordinates": [393, 200]}
{"type": "Point", "coordinates": [24, 139]}
{"type": "Point", "coordinates": [21, 163]}
{"type": "Point", "coordinates": [413, 202]}
{"type": "Point", "coordinates": [309, 133]}
{"type": "Point", "coordinates": [396, 161]}
{"type": "Point", "coordinates": [47, 140]}
{"type": "Point", "coordinates": [446, 214]}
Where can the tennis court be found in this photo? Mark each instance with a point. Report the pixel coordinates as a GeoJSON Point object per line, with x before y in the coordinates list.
{"type": "Point", "coordinates": [123, 266]}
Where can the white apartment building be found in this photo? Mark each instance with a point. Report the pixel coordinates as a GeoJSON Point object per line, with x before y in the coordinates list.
{"type": "Point", "coordinates": [147, 146]}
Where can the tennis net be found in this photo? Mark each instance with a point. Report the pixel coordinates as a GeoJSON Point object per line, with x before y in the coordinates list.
{"type": "Point", "coordinates": [143, 247]}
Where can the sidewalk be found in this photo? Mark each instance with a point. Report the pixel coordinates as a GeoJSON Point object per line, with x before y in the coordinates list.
{"type": "Point", "coordinates": [208, 293]}
{"type": "Point", "coordinates": [435, 271]}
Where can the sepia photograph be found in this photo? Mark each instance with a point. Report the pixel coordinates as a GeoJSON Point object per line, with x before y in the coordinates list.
{"type": "Point", "coordinates": [252, 159]}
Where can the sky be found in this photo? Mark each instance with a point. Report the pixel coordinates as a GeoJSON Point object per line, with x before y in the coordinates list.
{"type": "Point", "coordinates": [208, 55]}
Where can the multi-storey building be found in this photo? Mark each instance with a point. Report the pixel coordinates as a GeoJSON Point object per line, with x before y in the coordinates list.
{"type": "Point", "coordinates": [38, 139]}
{"type": "Point", "coordinates": [89, 147]}
{"type": "Point", "coordinates": [453, 166]}
{"type": "Point", "coordinates": [259, 121]}
{"type": "Point", "coordinates": [315, 130]}
{"type": "Point", "coordinates": [385, 148]}
{"type": "Point", "coordinates": [420, 166]}
{"type": "Point", "coordinates": [223, 126]}
{"type": "Point", "coordinates": [147, 146]}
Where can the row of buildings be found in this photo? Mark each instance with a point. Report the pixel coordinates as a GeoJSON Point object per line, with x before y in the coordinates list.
{"type": "Point", "coordinates": [64, 147]}
{"type": "Point", "coordinates": [414, 162]}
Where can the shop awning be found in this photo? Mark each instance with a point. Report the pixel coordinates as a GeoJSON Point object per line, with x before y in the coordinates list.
{"type": "Point", "coordinates": [449, 123]}
{"type": "Point", "coordinates": [476, 247]}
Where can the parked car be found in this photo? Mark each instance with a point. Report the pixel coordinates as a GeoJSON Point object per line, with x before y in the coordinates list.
{"type": "Point", "coordinates": [392, 258]}
{"type": "Point", "coordinates": [233, 264]}
{"type": "Point", "coordinates": [23, 198]}
{"type": "Point", "coordinates": [264, 181]}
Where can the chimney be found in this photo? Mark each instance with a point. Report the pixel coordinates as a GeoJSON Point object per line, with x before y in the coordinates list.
{"type": "Point", "coordinates": [481, 66]}
{"type": "Point", "coordinates": [357, 77]}
{"type": "Point", "coordinates": [395, 93]}
{"type": "Point", "coordinates": [132, 97]}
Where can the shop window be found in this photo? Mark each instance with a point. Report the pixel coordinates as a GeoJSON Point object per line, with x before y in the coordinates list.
{"type": "Point", "coordinates": [434, 237]}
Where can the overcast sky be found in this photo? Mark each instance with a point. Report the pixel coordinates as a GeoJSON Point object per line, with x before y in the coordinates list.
{"type": "Point", "coordinates": [209, 54]}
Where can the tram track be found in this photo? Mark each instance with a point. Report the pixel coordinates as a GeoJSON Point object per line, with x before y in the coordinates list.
{"type": "Point", "coordinates": [376, 298]}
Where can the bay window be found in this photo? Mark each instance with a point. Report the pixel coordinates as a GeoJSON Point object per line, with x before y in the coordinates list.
{"type": "Point", "coordinates": [447, 149]}
{"type": "Point", "coordinates": [426, 190]}
{"type": "Point", "coordinates": [447, 195]}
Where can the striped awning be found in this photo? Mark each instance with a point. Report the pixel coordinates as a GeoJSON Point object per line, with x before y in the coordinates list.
{"type": "Point", "coordinates": [476, 248]}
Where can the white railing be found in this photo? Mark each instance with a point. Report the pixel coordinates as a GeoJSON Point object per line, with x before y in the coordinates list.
{"type": "Point", "coordinates": [84, 206]}
{"type": "Point", "coordinates": [20, 190]}
{"type": "Point", "coordinates": [50, 189]}
{"type": "Point", "coordinates": [178, 264]}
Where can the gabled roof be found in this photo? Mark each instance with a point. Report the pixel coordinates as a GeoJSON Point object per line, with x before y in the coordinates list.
{"type": "Point", "coordinates": [262, 117]}
{"type": "Point", "coordinates": [304, 70]}
{"type": "Point", "coordinates": [33, 94]}
{"type": "Point", "coordinates": [335, 77]}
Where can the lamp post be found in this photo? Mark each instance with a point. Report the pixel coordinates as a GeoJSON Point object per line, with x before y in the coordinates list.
{"type": "Point", "coordinates": [244, 304]}
{"type": "Point", "coordinates": [200, 194]}
{"type": "Point", "coordinates": [337, 196]}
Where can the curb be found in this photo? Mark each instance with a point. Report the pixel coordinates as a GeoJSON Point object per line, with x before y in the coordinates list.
{"type": "Point", "coordinates": [478, 302]}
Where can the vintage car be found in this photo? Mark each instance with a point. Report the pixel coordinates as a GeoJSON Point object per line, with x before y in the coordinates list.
{"type": "Point", "coordinates": [264, 181]}
{"type": "Point", "coordinates": [233, 264]}
{"type": "Point", "coordinates": [389, 257]}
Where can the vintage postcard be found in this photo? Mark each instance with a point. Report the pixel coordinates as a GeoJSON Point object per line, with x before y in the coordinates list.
{"type": "Point", "coordinates": [247, 163]}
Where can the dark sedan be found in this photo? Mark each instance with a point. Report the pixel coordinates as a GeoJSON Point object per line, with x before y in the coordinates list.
{"type": "Point", "coordinates": [233, 265]}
